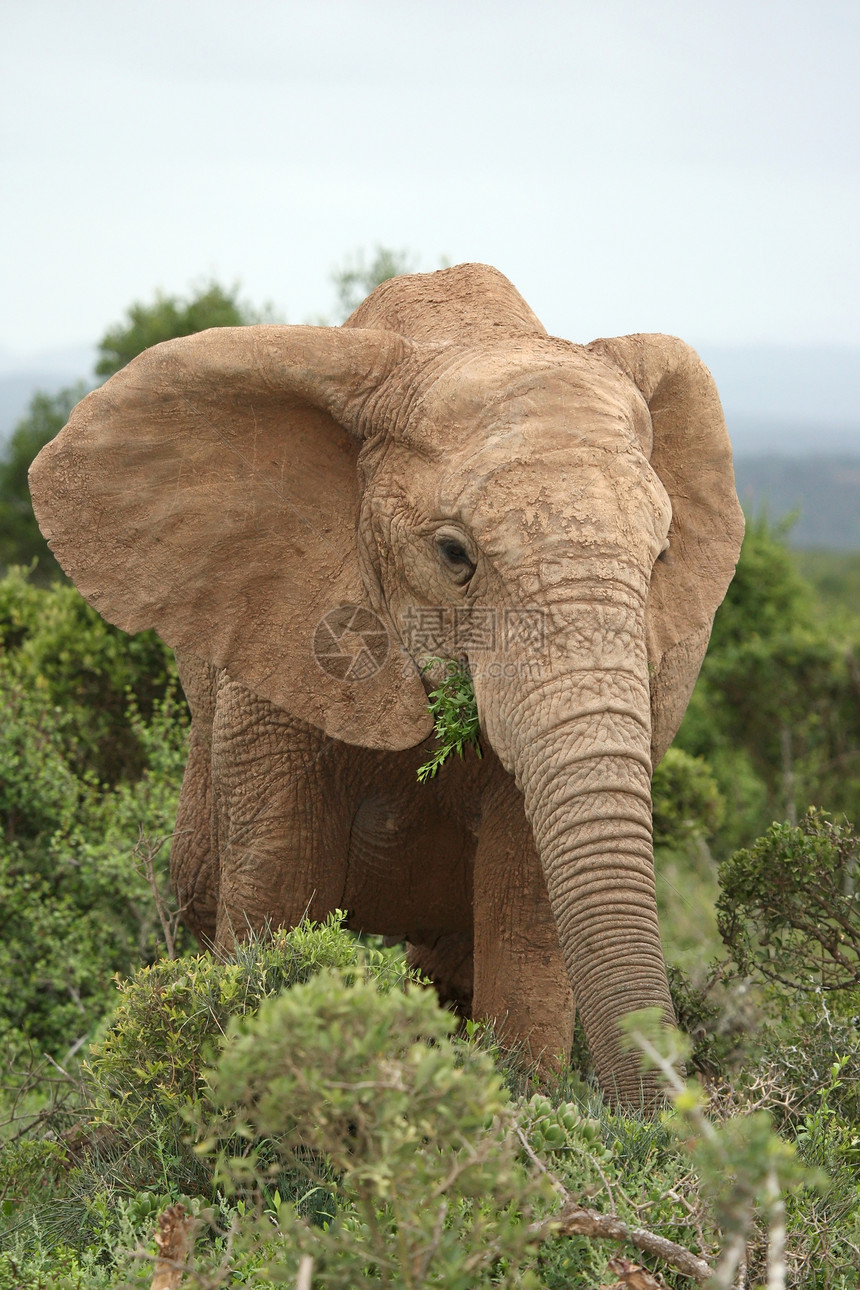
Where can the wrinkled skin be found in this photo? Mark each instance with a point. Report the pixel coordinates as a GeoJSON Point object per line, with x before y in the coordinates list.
{"type": "Point", "coordinates": [438, 453]}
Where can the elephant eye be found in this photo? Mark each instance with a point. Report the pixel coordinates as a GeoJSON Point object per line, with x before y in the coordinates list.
{"type": "Point", "coordinates": [456, 558]}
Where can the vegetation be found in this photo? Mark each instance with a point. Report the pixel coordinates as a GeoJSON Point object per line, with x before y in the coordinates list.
{"type": "Point", "coordinates": [776, 711]}
{"type": "Point", "coordinates": [169, 317]}
{"type": "Point", "coordinates": [455, 715]}
{"type": "Point", "coordinates": [835, 576]}
{"type": "Point", "coordinates": [306, 1101]}
{"type": "Point", "coordinates": [92, 744]}
{"type": "Point", "coordinates": [359, 275]}
{"type": "Point", "coordinates": [305, 1107]}
{"type": "Point", "coordinates": [21, 541]}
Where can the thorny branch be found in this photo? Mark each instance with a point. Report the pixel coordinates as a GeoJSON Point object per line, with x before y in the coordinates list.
{"type": "Point", "coordinates": [143, 859]}
{"type": "Point", "coordinates": [577, 1220]}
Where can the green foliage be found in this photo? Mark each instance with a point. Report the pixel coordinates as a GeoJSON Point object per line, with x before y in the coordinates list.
{"type": "Point", "coordinates": [169, 317]}
{"type": "Point", "coordinates": [686, 802]}
{"type": "Point", "coordinates": [171, 1016]}
{"type": "Point", "coordinates": [776, 710]}
{"type": "Point", "coordinates": [74, 909]}
{"type": "Point", "coordinates": [835, 575]}
{"type": "Point", "coordinates": [359, 275]}
{"type": "Point", "coordinates": [790, 906]}
{"type": "Point", "coordinates": [129, 1134]}
{"type": "Point", "coordinates": [744, 1167]}
{"type": "Point", "coordinates": [146, 1076]}
{"type": "Point", "coordinates": [21, 542]}
{"type": "Point", "coordinates": [416, 1133]}
{"type": "Point", "coordinates": [92, 746]}
{"type": "Point", "coordinates": [302, 1103]}
{"type": "Point", "coordinates": [455, 715]}
{"type": "Point", "coordinates": [65, 661]}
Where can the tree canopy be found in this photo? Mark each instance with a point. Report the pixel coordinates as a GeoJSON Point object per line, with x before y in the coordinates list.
{"type": "Point", "coordinates": [21, 541]}
{"type": "Point", "coordinates": [171, 316]}
{"type": "Point", "coordinates": [358, 276]}
{"type": "Point", "coordinates": [167, 317]}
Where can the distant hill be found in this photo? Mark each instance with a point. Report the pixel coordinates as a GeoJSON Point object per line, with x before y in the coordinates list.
{"type": "Point", "coordinates": [21, 375]}
{"type": "Point", "coordinates": [825, 491]}
{"type": "Point", "coordinates": [788, 400]}
{"type": "Point", "coordinates": [17, 391]}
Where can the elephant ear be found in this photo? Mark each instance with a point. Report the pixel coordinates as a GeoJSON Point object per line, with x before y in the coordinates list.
{"type": "Point", "coordinates": [692, 455]}
{"type": "Point", "coordinates": [209, 490]}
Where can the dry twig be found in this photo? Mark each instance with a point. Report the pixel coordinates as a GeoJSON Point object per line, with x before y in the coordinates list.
{"type": "Point", "coordinates": [174, 1240]}
{"type": "Point", "coordinates": [306, 1272]}
{"type": "Point", "coordinates": [143, 859]}
{"type": "Point", "coordinates": [576, 1220]}
{"type": "Point", "coordinates": [631, 1276]}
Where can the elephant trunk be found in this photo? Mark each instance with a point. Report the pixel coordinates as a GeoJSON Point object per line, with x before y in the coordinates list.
{"type": "Point", "coordinates": [579, 745]}
{"type": "Point", "coordinates": [592, 826]}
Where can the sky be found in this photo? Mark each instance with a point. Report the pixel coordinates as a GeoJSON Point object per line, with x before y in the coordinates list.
{"type": "Point", "coordinates": [631, 165]}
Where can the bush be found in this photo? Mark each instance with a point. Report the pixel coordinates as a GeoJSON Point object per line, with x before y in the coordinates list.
{"type": "Point", "coordinates": [685, 800]}
{"type": "Point", "coordinates": [775, 710]}
{"type": "Point", "coordinates": [92, 746]}
{"type": "Point", "coordinates": [302, 1100]}
{"type": "Point", "coordinates": [72, 664]}
{"type": "Point", "coordinates": [408, 1137]}
{"type": "Point", "coordinates": [790, 906]}
{"type": "Point", "coordinates": [21, 542]}
{"type": "Point", "coordinates": [74, 909]}
{"type": "Point", "coordinates": [147, 1074]}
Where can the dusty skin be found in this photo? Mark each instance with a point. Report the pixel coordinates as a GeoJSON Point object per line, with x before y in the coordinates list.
{"type": "Point", "coordinates": [561, 516]}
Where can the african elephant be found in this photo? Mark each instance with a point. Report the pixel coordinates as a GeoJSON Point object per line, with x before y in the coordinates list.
{"type": "Point", "coordinates": [561, 517]}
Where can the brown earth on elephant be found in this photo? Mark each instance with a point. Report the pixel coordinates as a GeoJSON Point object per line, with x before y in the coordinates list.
{"type": "Point", "coordinates": [436, 476]}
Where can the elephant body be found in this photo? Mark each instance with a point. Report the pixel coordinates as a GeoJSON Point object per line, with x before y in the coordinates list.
{"type": "Point", "coordinates": [284, 504]}
{"type": "Point", "coordinates": [293, 823]}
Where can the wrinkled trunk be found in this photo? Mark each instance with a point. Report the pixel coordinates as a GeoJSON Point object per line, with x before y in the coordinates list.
{"type": "Point", "coordinates": [579, 745]}
{"type": "Point", "coordinates": [594, 838]}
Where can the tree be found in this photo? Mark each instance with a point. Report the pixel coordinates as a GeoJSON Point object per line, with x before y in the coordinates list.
{"type": "Point", "coordinates": [169, 317]}
{"type": "Point", "coordinates": [358, 275]}
{"type": "Point", "coordinates": [779, 694]}
{"type": "Point", "coordinates": [21, 541]}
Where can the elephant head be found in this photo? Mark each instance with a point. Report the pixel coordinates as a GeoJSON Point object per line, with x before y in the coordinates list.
{"type": "Point", "coordinates": [566, 512]}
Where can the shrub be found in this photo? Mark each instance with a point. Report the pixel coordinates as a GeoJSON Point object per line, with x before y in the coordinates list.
{"type": "Point", "coordinates": [86, 674]}
{"type": "Point", "coordinates": [301, 1104]}
{"type": "Point", "coordinates": [685, 800]}
{"type": "Point", "coordinates": [74, 910]}
{"type": "Point", "coordinates": [409, 1137]}
{"type": "Point", "coordinates": [92, 745]}
{"type": "Point", "coordinates": [790, 905]}
{"type": "Point", "coordinates": [21, 541]}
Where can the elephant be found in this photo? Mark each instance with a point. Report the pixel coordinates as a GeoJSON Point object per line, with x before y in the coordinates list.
{"type": "Point", "coordinates": [305, 514]}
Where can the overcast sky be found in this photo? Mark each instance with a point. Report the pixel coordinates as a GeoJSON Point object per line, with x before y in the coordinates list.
{"type": "Point", "coordinates": [686, 166]}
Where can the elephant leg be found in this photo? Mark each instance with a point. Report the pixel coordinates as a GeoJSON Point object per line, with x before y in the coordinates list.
{"type": "Point", "coordinates": [521, 982]}
{"type": "Point", "coordinates": [193, 863]}
{"type": "Point", "coordinates": [194, 868]}
{"type": "Point", "coordinates": [282, 832]}
{"type": "Point", "coordinates": [448, 962]}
